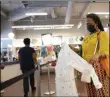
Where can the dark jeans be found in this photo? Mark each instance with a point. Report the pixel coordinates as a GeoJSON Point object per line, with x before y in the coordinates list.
{"type": "Point", "coordinates": [26, 81]}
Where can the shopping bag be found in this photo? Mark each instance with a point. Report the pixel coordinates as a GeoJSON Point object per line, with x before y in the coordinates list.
{"type": "Point", "coordinates": [105, 63]}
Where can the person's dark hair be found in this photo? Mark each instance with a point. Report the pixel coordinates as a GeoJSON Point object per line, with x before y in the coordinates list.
{"type": "Point", "coordinates": [26, 41]}
{"type": "Point", "coordinates": [96, 20]}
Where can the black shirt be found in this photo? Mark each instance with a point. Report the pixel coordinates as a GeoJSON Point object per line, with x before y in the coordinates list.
{"type": "Point", "coordinates": [26, 58]}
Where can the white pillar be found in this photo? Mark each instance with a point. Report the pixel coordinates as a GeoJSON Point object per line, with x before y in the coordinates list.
{"type": "Point", "coordinates": [69, 12]}
{"type": "Point", "coordinates": [13, 48]}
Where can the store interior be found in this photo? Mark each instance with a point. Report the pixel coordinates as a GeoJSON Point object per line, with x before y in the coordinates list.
{"type": "Point", "coordinates": [17, 17]}
{"type": "Point", "coordinates": [46, 23]}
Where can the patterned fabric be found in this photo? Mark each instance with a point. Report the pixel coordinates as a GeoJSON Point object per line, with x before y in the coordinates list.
{"type": "Point", "coordinates": [88, 47]}
{"type": "Point", "coordinates": [49, 48]}
{"type": "Point", "coordinates": [103, 92]}
{"type": "Point", "coordinates": [67, 61]}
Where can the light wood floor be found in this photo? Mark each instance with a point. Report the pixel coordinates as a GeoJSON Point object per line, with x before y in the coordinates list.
{"type": "Point", "coordinates": [16, 90]}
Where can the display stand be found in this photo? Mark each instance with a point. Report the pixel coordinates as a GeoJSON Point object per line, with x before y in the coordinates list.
{"type": "Point", "coordinates": [49, 88]}
{"type": "Point", "coordinates": [38, 81]}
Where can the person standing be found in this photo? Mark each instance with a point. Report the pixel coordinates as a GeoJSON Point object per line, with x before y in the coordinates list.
{"type": "Point", "coordinates": [96, 33]}
{"type": "Point", "coordinates": [27, 58]}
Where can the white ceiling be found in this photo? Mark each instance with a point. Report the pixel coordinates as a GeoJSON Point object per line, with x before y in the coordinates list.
{"type": "Point", "coordinates": [53, 0]}
{"type": "Point", "coordinates": [8, 7]}
{"type": "Point", "coordinates": [17, 9]}
{"type": "Point", "coordinates": [97, 7]}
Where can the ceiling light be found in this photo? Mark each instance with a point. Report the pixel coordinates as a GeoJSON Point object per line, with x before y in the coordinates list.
{"type": "Point", "coordinates": [100, 13]}
{"type": "Point", "coordinates": [63, 27]}
{"type": "Point", "coordinates": [11, 35]}
{"type": "Point", "coordinates": [43, 26]}
{"type": "Point", "coordinates": [79, 25]}
{"type": "Point", "coordinates": [46, 28]}
{"type": "Point", "coordinates": [34, 14]}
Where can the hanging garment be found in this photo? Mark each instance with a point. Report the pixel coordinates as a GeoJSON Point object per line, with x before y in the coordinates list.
{"type": "Point", "coordinates": [43, 51]}
{"type": "Point", "coordinates": [49, 48]}
{"type": "Point", "coordinates": [50, 55]}
{"type": "Point", "coordinates": [50, 51]}
{"type": "Point", "coordinates": [67, 61]}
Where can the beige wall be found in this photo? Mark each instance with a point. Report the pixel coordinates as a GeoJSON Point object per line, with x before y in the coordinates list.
{"type": "Point", "coordinates": [20, 34]}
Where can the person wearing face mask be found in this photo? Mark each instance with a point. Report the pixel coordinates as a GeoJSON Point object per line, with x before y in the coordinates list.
{"type": "Point", "coordinates": [92, 55]}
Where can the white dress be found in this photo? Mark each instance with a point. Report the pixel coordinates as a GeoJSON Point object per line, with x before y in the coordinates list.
{"type": "Point", "coordinates": [67, 61]}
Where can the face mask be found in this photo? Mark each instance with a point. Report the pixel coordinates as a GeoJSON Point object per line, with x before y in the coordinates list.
{"type": "Point", "coordinates": [91, 28]}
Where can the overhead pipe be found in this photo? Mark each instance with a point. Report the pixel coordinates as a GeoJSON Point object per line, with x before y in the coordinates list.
{"type": "Point", "coordinates": [21, 13]}
{"type": "Point", "coordinates": [69, 12]}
